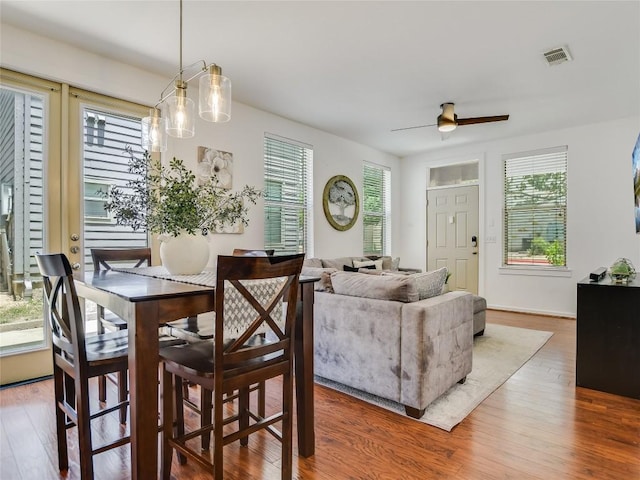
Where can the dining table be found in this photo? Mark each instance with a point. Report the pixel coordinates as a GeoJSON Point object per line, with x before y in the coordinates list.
{"type": "Point", "coordinates": [146, 302]}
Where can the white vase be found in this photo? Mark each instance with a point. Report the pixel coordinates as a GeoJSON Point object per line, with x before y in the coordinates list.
{"type": "Point", "coordinates": [185, 254]}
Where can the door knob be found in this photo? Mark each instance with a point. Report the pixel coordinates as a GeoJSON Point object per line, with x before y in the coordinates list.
{"type": "Point", "coordinates": [74, 249]}
{"type": "Point", "coordinates": [474, 241]}
{"type": "Point", "coordinates": [76, 266]}
{"type": "Point", "coordinates": [75, 237]}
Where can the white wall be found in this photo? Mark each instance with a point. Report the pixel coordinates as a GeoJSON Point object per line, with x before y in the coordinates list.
{"type": "Point", "coordinates": [600, 222]}
{"type": "Point", "coordinates": [243, 135]}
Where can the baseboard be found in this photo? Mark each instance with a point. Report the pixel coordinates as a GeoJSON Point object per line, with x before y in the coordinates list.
{"type": "Point", "coordinates": [544, 313]}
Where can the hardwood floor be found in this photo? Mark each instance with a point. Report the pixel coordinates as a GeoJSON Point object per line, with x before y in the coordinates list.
{"type": "Point", "coordinates": [537, 425]}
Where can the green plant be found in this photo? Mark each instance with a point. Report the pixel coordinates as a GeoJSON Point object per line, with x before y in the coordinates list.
{"type": "Point", "coordinates": [166, 199]}
{"type": "Point", "coordinates": [538, 246]}
{"type": "Point", "coordinates": [555, 253]}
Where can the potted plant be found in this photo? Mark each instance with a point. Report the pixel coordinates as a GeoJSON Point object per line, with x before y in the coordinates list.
{"type": "Point", "coordinates": [166, 200]}
{"type": "Point", "coordinates": [622, 271]}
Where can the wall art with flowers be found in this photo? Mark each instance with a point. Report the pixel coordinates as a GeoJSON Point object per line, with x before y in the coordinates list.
{"type": "Point", "coordinates": [216, 164]}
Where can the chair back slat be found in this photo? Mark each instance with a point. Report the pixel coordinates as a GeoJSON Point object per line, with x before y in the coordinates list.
{"type": "Point", "coordinates": [62, 305]}
{"type": "Point", "coordinates": [233, 273]}
{"type": "Point", "coordinates": [107, 258]}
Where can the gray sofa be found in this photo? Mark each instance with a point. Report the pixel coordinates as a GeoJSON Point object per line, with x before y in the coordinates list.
{"type": "Point", "coordinates": [375, 335]}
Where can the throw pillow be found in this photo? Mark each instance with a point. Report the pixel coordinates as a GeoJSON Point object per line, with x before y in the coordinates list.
{"type": "Point", "coordinates": [429, 284]}
{"type": "Point", "coordinates": [377, 264]}
{"type": "Point", "coordinates": [324, 285]}
{"type": "Point", "coordinates": [395, 264]}
{"type": "Point", "coordinates": [336, 262]}
{"type": "Point", "coordinates": [347, 268]}
{"type": "Point", "coordinates": [382, 287]}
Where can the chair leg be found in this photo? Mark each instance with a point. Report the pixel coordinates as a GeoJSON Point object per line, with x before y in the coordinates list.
{"type": "Point", "coordinates": [167, 423]}
{"type": "Point", "coordinates": [61, 418]}
{"type": "Point", "coordinates": [217, 435]}
{"type": "Point", "coordinates": [102, 379]}
{"type": "Point", "coordinates": [243, 414]}
{"type": "Point", "coordinates": [122, 394]}
{"type": "Point", "coordinates": [205, 415]}
{"type": "Point", "coordinates": [262, 394]}
{"type": "Point", "coordinates": [84, 429]}
{"type": "Point", "coordinates": [178, 413]}
{"type": "Point", "coordinates": [287, 427]}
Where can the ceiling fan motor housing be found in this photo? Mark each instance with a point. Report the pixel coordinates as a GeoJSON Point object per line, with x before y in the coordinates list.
{"type": "Point", "coordinates": [447, 120]}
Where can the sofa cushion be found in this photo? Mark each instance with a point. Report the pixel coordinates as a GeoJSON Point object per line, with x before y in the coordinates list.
{"type": "Point", "coordinates": [324, 285]}
{"type": "Point", "coordinates": [312, 262]}
{"type": "Point", "coordinates": [377, 264]}
{"type": "Point", "coordinates": [382, 287]}
{"type": "Point", "coordinates": [429, 284]}
{"type": "Point", "coordinates": [337, 263]}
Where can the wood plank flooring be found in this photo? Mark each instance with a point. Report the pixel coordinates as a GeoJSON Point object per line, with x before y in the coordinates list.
{"type": "Point", "coordinates": [537, 425]}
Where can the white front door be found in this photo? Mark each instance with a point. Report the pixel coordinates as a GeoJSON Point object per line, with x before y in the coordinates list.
{"type": "Point", "coordinates": [452, 235]}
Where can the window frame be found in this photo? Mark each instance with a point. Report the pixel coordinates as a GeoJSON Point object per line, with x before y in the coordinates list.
{"type": "Point", "coordinates": [299, 185]}
{"type": "Point", "coordinates": [384, 213]}
{"type": "Point", "coordinates": [542, 161]}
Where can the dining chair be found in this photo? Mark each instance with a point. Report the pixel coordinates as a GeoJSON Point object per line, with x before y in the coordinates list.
{"type": "Point", "coordinates": [201, 328]}
{"type": "Point", "coordinates": [108, 259]}
{"type": "Point", "coordinates": [234, 364]}
{"type": "Point", "coordinates": [76, 359]}
{"type": "Point", "coordinates": [194, 329]}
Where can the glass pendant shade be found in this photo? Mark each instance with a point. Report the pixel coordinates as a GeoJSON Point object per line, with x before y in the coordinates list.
{"type": "Point", "coordinates": [214, 103]}
{"type": "Point", "coordinates": [180, 113]}
{"type": "Point", "coordinates": [154, 128]}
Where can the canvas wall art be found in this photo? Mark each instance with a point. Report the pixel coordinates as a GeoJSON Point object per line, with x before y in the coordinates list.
{"type": "Point", "coordinates": [635, 159]}
{"type": "Point", "coordinates": [216, 164]}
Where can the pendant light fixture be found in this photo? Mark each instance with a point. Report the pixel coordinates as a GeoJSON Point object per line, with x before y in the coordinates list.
{"type": "Point", "coordinates": [214, 104]}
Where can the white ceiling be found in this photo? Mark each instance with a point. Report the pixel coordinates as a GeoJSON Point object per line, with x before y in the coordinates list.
{"type": "Point", "coordinates": [360, 69]}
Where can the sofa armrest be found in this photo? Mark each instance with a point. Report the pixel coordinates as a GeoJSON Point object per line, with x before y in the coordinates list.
{"type": "Point", "coordinates": [437, 346]}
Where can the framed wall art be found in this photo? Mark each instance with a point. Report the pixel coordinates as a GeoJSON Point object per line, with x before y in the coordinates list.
{"type": "Point", "coordinates": [212, 162]}
{"type": "Point", "coordinates": [340, 202]}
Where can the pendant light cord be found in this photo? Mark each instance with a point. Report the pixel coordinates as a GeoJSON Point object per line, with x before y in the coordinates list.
{"type": "Point", "coordinates": [181, 40]}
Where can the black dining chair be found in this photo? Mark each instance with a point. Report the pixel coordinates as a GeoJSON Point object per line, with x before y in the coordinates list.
{"type": "Point", "coordinates": [234, 364]}
{"type": "Point", "coordinates": [76, 359]}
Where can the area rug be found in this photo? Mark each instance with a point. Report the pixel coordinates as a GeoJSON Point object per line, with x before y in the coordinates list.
{"type": "Point", "coordinates": [497, 355]}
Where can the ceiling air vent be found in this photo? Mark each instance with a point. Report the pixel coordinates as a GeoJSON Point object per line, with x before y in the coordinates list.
{"type": "Point", "coordinates": [556, 56]}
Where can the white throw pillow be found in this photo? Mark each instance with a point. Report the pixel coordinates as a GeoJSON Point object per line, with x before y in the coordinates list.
{"type": "Point", "coordinates": [429, 284]}
{"type": "Point", "coordinates": [376, 263]}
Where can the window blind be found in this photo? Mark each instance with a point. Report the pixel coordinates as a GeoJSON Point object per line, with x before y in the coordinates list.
{"type": "Point", "coordinates": [375, 210]}
{"type": "Point", "coordinates": [287, 209]}
{"type": "Point", "coordinates": [535, 208]}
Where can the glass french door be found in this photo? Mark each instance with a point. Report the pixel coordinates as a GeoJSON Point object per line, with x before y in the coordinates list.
{"type": "Point", "coordinates": [60, 149]}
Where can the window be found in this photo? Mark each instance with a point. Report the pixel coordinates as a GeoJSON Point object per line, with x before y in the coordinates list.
{"type": "Point", "coordinates": [94, 201]}
{"type": "Point", "coordinates": [287, 202]}
{"type": "Point", "coordinates": [376, 205]}
{"type": "Point", "coordinates": [535, 208]}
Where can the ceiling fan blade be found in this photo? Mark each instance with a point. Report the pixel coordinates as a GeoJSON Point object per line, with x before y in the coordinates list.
{"type": "Point", "coordinates": [410, 128]}
{"type": "Point", "coordinates": [471, 121]}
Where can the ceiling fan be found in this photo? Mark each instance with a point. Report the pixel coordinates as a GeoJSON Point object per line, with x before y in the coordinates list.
{"type": "Point", "coordinates": [448, 121]}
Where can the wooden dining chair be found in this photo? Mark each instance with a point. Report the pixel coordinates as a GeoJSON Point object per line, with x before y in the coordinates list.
{"type": "Point", "coordinates": [195, 329]}
{"type": "Point", "coordinates": [229, 365]}
{"type": "Point", "coordinates": [76, 359]}
{"type": "Point", "coordinates": [107, 259]}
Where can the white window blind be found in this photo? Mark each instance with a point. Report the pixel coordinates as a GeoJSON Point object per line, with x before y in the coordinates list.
{"type": "Point", "coordinates": [375, 210]}
{"type": "Point", "coordinates": [287, 205]}
{"type": "Point", "coordinates": [535, 208]}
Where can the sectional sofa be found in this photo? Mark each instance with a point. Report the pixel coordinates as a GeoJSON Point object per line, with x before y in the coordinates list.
{"type": "Point", "coordinates": [389, 336]}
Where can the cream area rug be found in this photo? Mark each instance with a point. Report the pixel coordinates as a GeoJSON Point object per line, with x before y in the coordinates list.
{"type": "Point", "coordinates": [497, 355]}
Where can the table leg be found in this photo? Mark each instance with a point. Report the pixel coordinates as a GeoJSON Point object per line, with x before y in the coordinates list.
{"type": "Point", "coordinates": [304, 370]}
{"type": "Point", "coordinates": [143, 390]}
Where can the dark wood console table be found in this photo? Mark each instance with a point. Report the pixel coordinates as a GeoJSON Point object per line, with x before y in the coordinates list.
{"type": "Point", "coordinates": [608, 337]}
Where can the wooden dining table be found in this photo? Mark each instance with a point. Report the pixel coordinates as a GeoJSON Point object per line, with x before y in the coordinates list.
{"type": "Point", "coordinates": [145, 302]}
